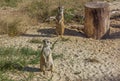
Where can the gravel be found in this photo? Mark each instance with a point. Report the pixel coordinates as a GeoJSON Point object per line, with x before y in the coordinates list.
{"type": "Point", "coordinates": [84, 59]}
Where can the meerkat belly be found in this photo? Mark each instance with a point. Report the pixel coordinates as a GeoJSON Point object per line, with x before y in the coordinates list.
{"type": "Point", "coordinates": [47, 52]}
{"type": "Point", "coordinates": [60, 28]}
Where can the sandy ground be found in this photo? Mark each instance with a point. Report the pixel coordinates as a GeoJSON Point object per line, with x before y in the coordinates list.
{"type": "Point", "coordinates": [84, 59]}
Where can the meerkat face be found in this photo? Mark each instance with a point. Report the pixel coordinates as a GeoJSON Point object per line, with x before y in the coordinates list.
{"type": "Point", "coordinates": [46, 42]}
{"type": "Point", "coordinates": [61, 9]}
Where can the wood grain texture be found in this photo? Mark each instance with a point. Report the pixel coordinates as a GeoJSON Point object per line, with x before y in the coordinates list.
{"type": "Point", "coordinates": [96, 19]}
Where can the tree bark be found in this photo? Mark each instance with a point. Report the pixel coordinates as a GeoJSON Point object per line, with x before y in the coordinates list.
{"type": "Point", "coordinates": [97, 19]}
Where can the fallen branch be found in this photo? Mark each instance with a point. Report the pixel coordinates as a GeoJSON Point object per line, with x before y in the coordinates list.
{"type": "Point", "coordinates": [115, 14]}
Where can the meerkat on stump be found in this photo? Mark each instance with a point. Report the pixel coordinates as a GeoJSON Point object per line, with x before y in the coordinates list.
{"type": "Point", "coordinates": [60, 27]}
{"type": "Point", "coordinates": [46, 60]}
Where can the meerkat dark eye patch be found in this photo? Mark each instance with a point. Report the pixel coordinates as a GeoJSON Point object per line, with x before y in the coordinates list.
{"type": "Point", "coordinates": [44, 41]}
{"type": "Point", "coordinates": [47, 41]}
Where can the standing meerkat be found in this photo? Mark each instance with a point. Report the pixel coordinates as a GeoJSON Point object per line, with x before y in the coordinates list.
{"type": "Point", "coordinates": [60, 27]}
{"type": "Point", "coordinates": [46, 60]}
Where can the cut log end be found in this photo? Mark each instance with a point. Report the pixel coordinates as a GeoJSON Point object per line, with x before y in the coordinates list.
{"type": "Point", "coordinates": [97, 18]}
{"type": "Point", "coordinates": [97, 4]}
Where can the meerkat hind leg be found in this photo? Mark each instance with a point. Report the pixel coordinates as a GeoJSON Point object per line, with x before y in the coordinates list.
{"type": "Point", "coordinates": [52, 69]}
{"type": "Point", "coordinates": [60, 36]}
{"type": "Point", "coordinates": [43, 70]}
{"type": "Point", "coordinates": [57, 33]}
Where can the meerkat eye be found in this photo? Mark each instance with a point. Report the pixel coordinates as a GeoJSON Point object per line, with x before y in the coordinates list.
{"type": "Point", "coordinates": [47, 41]}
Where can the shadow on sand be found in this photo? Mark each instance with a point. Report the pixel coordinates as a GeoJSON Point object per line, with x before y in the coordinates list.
{"type": "Point", "coordinates": [31, 69]}
{"type": "Point", "coordinates": [50, 32]}
{"type": "Point", "coordinates": [115, 35]}
{"type": "Point", "coordinates": [115, 25]}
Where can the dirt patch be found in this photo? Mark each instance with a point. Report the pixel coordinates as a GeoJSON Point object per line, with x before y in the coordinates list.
{"type": "Point", "coordinates": [84, 59]}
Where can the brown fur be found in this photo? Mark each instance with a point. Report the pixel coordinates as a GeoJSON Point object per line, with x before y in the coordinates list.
{"type": "Point", "coordinates": [46, 60]}
{"type": "Point", "coordinates": [60, 27]}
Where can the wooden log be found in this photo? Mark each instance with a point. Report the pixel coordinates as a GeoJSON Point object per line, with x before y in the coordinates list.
{"type": "Point", "coordinates": [97, 19]}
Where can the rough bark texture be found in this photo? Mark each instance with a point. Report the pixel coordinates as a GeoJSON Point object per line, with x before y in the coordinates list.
{"type": "Point", "coordinates": [96, 19]}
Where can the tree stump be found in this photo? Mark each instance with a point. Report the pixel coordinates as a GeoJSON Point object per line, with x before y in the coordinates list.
{"type": "Point", "coordinates": [97, 19]}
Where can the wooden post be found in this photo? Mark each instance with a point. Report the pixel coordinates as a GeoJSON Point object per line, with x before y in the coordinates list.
{"type": "Point", "coordinates": [97, 19]}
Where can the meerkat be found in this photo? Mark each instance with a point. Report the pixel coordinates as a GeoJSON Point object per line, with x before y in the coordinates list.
{"type": "Point", "coordinates": [60, 27]}
{"type": "Point", "coordinates": [46, 60]}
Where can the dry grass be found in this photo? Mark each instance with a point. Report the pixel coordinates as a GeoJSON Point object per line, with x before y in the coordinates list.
{"type": "Point", "coordinates": [12, 27]}
{"type": "Point", "coordinates": [12, 22]}
{"type": "Point", "coordinates": [15, 60]}
{"type": "Point", "coordinates": [35, 41]}
{"type": "Point", "coordinates": [32, 12]}
{"type": "Point", "coordinates": [10, 3]}
{"type": "Point", "coordinates": [41, 10]}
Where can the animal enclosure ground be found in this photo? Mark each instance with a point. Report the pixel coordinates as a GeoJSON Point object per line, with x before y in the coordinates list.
{"type": "Point", "coordinates": [77, 58]}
